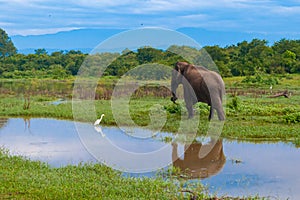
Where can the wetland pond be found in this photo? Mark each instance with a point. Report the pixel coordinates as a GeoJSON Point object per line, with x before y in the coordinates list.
{"type": "Point", "coordinates": [230, 168]}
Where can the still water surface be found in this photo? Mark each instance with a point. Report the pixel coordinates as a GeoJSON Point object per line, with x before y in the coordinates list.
{"type": "Point", "coordinates": [231, 168]}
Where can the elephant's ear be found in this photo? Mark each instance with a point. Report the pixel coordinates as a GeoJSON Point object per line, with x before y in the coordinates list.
{"type": "Point", "coordinates": [181, 67]}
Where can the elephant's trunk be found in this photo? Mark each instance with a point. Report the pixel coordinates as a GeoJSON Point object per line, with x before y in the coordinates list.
{"type": "Point", "coordinates": [173, 98]}
{"type": "Point", "coordinates": [174, 94]}
{"type": "Point", "coordinates": [174, 86]}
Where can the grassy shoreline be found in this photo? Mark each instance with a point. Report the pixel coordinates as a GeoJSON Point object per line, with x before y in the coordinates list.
{"type": "Point", "coordinates": [25, 179]}
{"type": "Point", "coordinates": [263, 120]}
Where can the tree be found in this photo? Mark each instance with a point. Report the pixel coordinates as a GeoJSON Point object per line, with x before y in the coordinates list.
{"type": "Point", "coordinates": [221, 59]}
{"type": "Point", "coordinates": [7, 47]}
{"type": "Point", "coordinates": [289, 60]}
{"type": "Point", "coordinates": [148, 55]}
{"type": "Point", "coordinates": [40, 51]}
{"type": "Point", "coordinates": [58, 72]}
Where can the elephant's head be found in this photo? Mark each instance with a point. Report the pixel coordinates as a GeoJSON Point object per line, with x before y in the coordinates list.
{"type": "Point", "coordinates": [177, 74]}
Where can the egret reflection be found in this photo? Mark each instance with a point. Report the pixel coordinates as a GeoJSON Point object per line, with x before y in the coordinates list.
{"type": "Point", "coordinates": [99, 130]}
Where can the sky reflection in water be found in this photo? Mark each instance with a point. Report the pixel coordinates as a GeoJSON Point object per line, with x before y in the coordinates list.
{"type": "Point", "coordinates": [265, 169]}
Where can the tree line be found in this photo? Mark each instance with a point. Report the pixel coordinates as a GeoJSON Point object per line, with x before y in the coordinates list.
{"type": "Point", "coordinates": [243, 59]}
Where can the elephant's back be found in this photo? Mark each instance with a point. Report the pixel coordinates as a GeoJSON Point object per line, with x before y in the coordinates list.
{"type": "Point", "coordinates": [213, 82]}
{"type": "Point", "coordinates": [211, 77]}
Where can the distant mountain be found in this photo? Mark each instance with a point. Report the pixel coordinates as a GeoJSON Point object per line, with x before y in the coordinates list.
{"type": "Point", "coordinates": [82, 39]}
{"type": "Point", "coordinates": [49, 51]}
{"type": "Point", "coordinates": [86, 39]}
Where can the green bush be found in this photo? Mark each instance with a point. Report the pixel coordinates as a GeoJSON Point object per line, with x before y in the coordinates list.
{"type": "Point", "coordinates": [292, 118]}
{"type": "Point", "coordinates": [234, 103]}
{"type": "Point", "coordinates": [173, 108]}
{"type": "Point", "coordinates": [202, 108]}
{"type": "Point", "coordinates": [260, 79]}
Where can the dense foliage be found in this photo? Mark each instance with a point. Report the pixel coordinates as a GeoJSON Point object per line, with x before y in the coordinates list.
{"type": "Point", "coordinates": [242, 59]}
{"type": "Point", "coordinates": [257, 57]}
{"type": "Point", "coordinates": [7, 47]}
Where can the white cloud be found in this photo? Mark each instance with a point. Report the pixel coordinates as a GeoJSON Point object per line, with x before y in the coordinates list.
{"type": "Point", "coordinates": [47, 16]}
{"type": "Point", "coordinates": [286, 10]}
{"type": "Point", "coordinates": [46, 30]}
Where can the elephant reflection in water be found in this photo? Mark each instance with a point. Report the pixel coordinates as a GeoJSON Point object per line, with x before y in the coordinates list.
{"type": "Point", "coordinates": [196, 166]}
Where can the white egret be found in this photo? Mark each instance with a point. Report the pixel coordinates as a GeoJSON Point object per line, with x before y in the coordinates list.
{"type": "Point", "coordinates": [97, 122]}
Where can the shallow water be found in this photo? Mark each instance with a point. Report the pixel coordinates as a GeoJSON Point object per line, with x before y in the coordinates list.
{"type": "Point", "coordinates": [230, 168]}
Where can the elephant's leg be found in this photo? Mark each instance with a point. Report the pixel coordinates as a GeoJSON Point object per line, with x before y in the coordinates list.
{"type": "Point", "coordinates": [221, 114]}
{"type": "Point", "coordinates": [174, 152]}
{"type": "Point", "coordinates": [188, 98]}
{"type": "Point", "coordinates": [189, 107]}
{"type": "Point", "coordinates": [217, 105]}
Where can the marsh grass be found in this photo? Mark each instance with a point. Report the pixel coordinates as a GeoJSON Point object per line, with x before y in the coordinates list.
{"type": "Point", "coordinates": [250, 114]}
{"type": "Point", "coordinates": [25, 179]}
{"type": "Point", "coordinates": [39, 107]}
{"type": "Point", "coordinates": [262, 119]}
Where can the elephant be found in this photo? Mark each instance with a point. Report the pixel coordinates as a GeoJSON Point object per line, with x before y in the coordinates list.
{"type": "Point", "coordinates": [199, 85]}
{"type": "Point", "coordinates": [197, 167]}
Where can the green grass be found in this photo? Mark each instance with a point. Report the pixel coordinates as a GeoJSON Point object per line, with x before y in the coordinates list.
{"type": "Point", "coordinates": [262, 118]}
{"type": "Point", "coordinates": [39, 107]}
{"type": "Point", "coordinates": [251, 118]}
{"type": "Point", "coordinates": [24, 179]}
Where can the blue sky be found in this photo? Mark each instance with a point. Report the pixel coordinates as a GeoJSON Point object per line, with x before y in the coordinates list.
{"type": "Point", "coordinates": [34, 17]}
